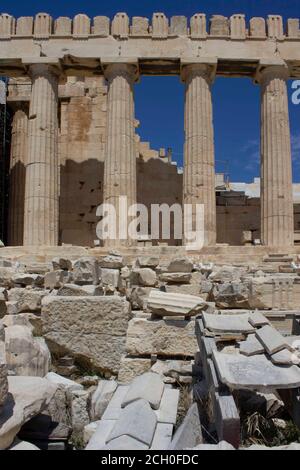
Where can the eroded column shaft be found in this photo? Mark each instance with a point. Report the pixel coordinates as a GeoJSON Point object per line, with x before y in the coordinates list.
{"type": "Point", "coordinates": [120, 159]}
{"type": "Point", "coordinates": [277, 214]}
{"type": "Point", "coordinates": [18, 157]}
{"type": "Point", "coordinates": [42, 171]}
{"type": "Point", "coordinates": [199, 162]}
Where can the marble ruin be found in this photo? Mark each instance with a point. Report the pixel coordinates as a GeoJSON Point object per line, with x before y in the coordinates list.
{"type": "Point", "coordinates": [144, 345]}
{"type": "Point", "coordinates": [65, 67]}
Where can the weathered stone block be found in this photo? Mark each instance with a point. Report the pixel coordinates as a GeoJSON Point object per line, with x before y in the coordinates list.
{"type": "Point", "coordinates": [79, 291]}
{"type": "Point", "coordinates": [62, 382]}
{"type": "Point", "coordinates": [7, 25]}
{"type": "Point", "coordinates": [79, 413]}
{"type": "Point", "coordinates": [180, 265]}
{"type": "Point", "coordinates": [148, 387]}
{"type": "Point", "coordinates": [42, 26]}
{"type": "Point", "coordinates": [24, 26]}
{"type": "Point", "coordinates": [27, 300]}
{"type": "Point", "coordinates": [28, 279]}
{"type": "Point", "coordinates": [198, 26]}
{"type": "Point", "coordinates": [230, 295]}
{"type": "Point", "coordinates": [120, 25]}
{"type": "Point", "coordinates": [166, 338]}
{"type": "Point", "coordinates": [92, 329]}
{"type": "Point", "coordinates": [81, 26]}
{"type": "Point", "coordinates": [110, 277]}
{"type": "Point", "coordinates": [178, 26]}
{"type": "Point", "coordinates": [274, 293]}
{"type": "Point", "coordinates": [132, 367]}
{"type": "Point", "coordinates": [86, 271]}
{"type": "Point", "coordinates": [237, 27]}
{"type": "Point", "coordinates": [146, 277]}
{"type": "Point", "coordinates": [160, 26]}
{"type": "Point", "coordinates": [25, 354]}
{"type": "Point", "coordinates": [138, 421]}
{"type": "Point", "coordinates": [63, 26]}
{"type": "Point", "coordinates": [140, 26]}
{"type": "Point", "coordinates": [101, 397]}
{"type": "Point", "coordinates": [293, 28]}
{"type": "Point", "coordinates": [163, 304]}
{"type": "Point", "coordinates": [28, 397]}
{"type": "Point", "coordinates": [275, 26]}
{"type": "Point", "coordinates": [101, 26]}
{"type": "Point", "coordinates": [219, 26]}
{"type": "Point", "coordinates": [111, 262]}
{"type": "Point", "coordinates": [258, 27]}
{"type": "Point", "coordinates": [148, 261]}
{"type": "Point", "coordinates": [189, 433]}
{"type": "Point", "coordinates": [61, 263]}
{"type": "Point", "coordinates": [56, 279]}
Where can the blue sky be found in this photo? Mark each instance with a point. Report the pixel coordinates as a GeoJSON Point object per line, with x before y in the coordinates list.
{"type": "Point", "coordinates": [159, 100]}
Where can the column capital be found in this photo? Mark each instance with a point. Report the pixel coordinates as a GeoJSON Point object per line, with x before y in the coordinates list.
{"type": "Point", "coordinates": [206, 68]}
{"type": "Point", "coordinates": [270, 69]}
{"type": "Point", "coordinates": [43, 66]}
{"type": "Point", "coordinates": [126, 67]}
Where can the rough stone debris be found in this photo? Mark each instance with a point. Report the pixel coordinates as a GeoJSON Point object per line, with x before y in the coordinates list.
{"type": "Point", "coordinates": [165, 338]}
{"type": "Point", "coordinates": [137, 421]}
{"type": "Point", "coordinates": [26, 355]}
{"type": "Point", "coordinates": [94, 331]}
{"type": "Point", "coordinates": [101, 397]}
{"type": "Point", "coordinates": [189, 433]}
{"type": "Point", "coordinates": [163, 304]}
{"type": "Point", "coordinates": [27, 397]}
{"type": "Point", "coordinates": [67, 327]}
{"type": "Point", "coordinates": [149, 387]}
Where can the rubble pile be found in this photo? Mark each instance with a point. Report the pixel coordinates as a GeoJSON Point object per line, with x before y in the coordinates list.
{"type": "Point", "coordinates": [97, 343]}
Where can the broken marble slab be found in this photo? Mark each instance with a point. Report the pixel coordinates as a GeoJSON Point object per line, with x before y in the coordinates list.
{"type": "Point", "coordinates": [285, 357]}
{"type": "Point", "coordinates": [137, 421]}
{"type": "Point", "coordinates": [168, 303]}
{"type": "Point", "coordinates": [251, 346]}
{"type": "Point", "coordinates": [63, 382]}
{"type": "Point", "coordinates": [293, 341]}
{"type": "Point", "coordinates": [125, 443]}
{"type": "Point", "coordinates": [227, 323]}
{"type": "Point", "coordinates": [254, 373]}
{"type": "Point", "coordinates": [167, 412]}
{"type": "Point", "coordinates": [101, 397]}
{"type": "Point", "coordinates": [148, 387]}
{"type": "Point", "coordinates": [98, 439]}
{"type": "Point", "coordinates": [27, 397]}
{"type": "Point", "coordinates": [162, 437]}
{"type": "Point", "coordinates": [271, 339]}
{"type": "Point", "coordinates": [257, 319]}
{"type": "Point", "coordinates": [189, 433]}
{"type": "Point", "coordinates": [114, 410]}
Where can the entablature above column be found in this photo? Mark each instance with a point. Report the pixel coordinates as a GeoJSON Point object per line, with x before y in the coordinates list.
{"type": "Point", "coordinates": [82, 45]}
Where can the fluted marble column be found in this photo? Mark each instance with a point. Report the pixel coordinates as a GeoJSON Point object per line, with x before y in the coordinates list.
{"type": "Point", "coordinates": [199, 161]}
{"type": "Point", "coordinates": [18, 156]}
{"type": "Point", "coordinates": [42, 172]}
{"type": "Point", "coordinates": [277, 212]}
{"type": "Point", "coordinates": [120, 158]}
